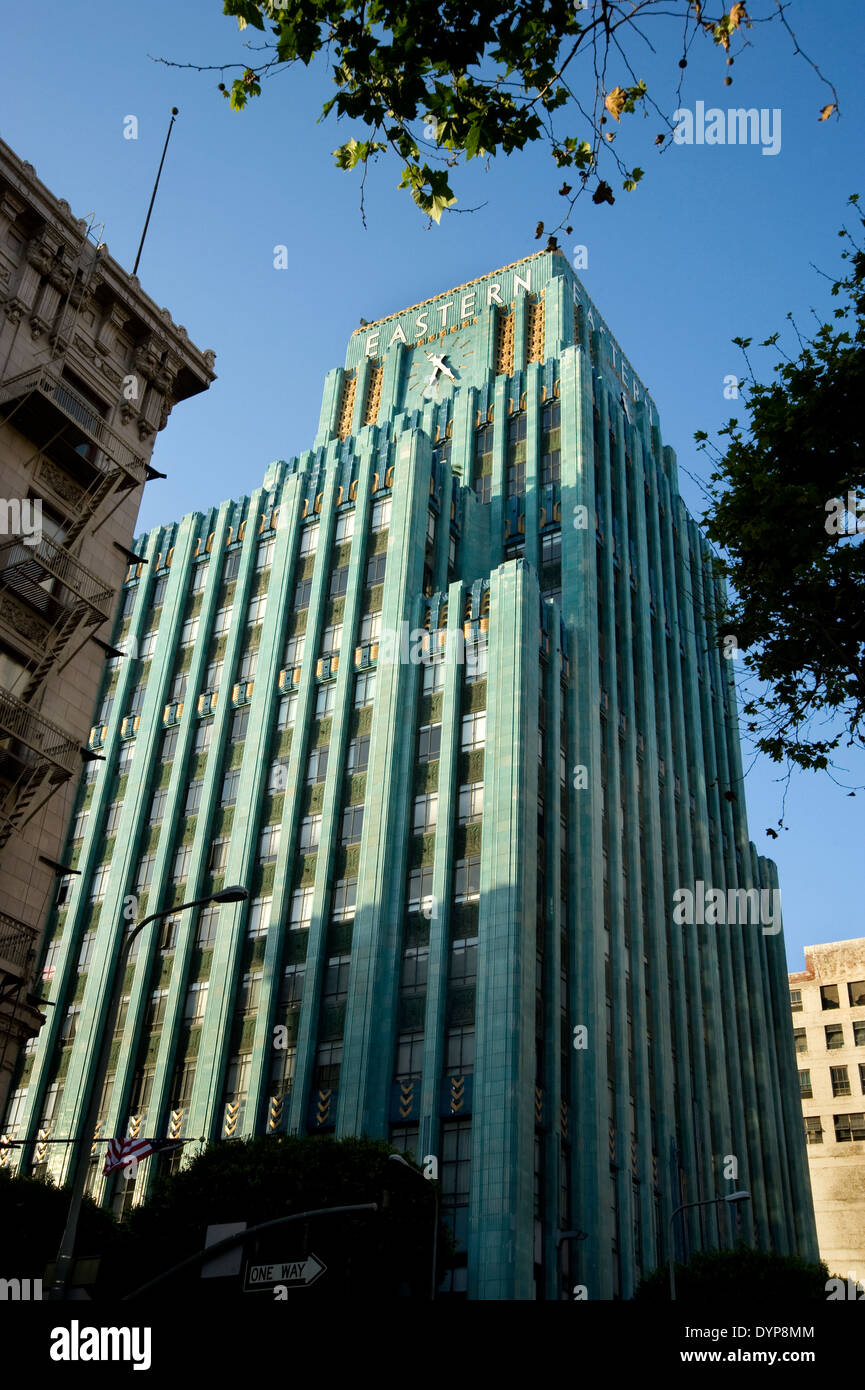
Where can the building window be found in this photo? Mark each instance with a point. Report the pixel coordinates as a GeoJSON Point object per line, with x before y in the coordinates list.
{"type": "Point", "coordinates": [476, 661]}
{"type": "Point", "coordinates": [325, 699]}
{"type": "Point", "coordinates": [805, 1090]}
{"type": "Point", "coordinates": [460, 1051]}
{"type": "Point", "coordinates": [380, 515]}
{"type": "Point", "coordinates": [268, 847]}
{"type": "Point", "coordinates": [415, 964]}
{"type": "Point", "coordinates": [856, 993]}
{"type": "Point", "coordinates": [336, 978]}
{"type": "Point", "coordinates": [364, 689]}
{"type": "Point", "coordinates": [86, 951]}
{"type": "Point", "coordinates": [213, 675]}
{"type": "Point", "coordinates": [302, 593]}
{"type": "Point", "coordinates": [484, 489]}
{"type": "Point", "coordinates": [420, 882]}
{"type": "Point", "coordinates": [859, 1032]}
{"type": "Point", "coordinates": [294, 650]}
{"type": "Point", "coordinates": [145, 872]}
{"type": "Point", "coordinates": [230, 785]}
{"type": "Point", "coordinates": [146, 648]}
{"type": "Point", "coordinates": [429, 742]}
{"type": "Point", "coordinates": [471, 803]}
{"type": "Point", "coordinates": [181, 862]}
{"type": "Point", "coordinates": [231, 567]}
{"type": "Point", "coordinates": [287, 711]}
{"type": "Point", "coordinates": [278, 780]}
{"type": "Point", "coordinates": [339, 581]}
{"type": "Point", "coordinates": [425, 812]}
{"type": "Point", "coordinates": [237, 1078]}
{"type": "Point", "coordinates": [248, 665]}
{"type": "Point", "coordinates": [795, 1001]}
{"type": "Point", "coordinates": [300, 914]}
{"type": "Point", "coordinates": [344, 900]}
{"type": "Point", "coordinates": [155, 1010]}
{"type": "Point", "coordinates": [516, 479]}
{"type": "Point", "coordinates": [433, 675]}
{"type": "Point", "coordinates": [264, 554]}
{"type": "Point", "coordinates": [344, 529]}
{"type": "Point", "coordinates": [464, 960]}
{"type": "Point", "coordinates": [834, 1037]}
{"type": "Point", "coordinates": [328, 1060]}
{"type": "Point", "coordinates": [375, 569]}
{"type": "Point", "coordinates": [829, 997]}
{"type": "Point", "coordinates": [196, 1002]}
{"type": "Point", "coordinates": [551, 547]}
{"type": "Point", "coordinates": [239, 724]}
{"type": "Point", "coordinates": [370, 627]}
{"type": "Point", "coordinates": [849, 1128]}
{"type": "Point", "coordinates": [862, 1077]}
{"type": "Point", "coordinates": [813, 1130]}
{"type": "Point", "coordinates": [308, 540]}
{"type": "Point", "coordinates": [222, 621]}
{"type": "Point", "coordinates": [551, 467]}
{"type": "Point", "coordinates": [179, 686]}
{"type": "Point", "coordinates": [467, 879]}
{"type": "Point", "coordinates": [203, 735]}
{"type": "Point", "coordinates": [352, 825]}
{"type": "Point", "coordinates": [474, 731]}
{"type": "Point", "coordinates": [206, 933]}
{"type": "Point", "coordinates": [800, 1039]}
{"type": "Point", "coordinates": [357, 757]}
{"type": "Point", "coordinates": [331, 638]}
{"type": "Point", "coordinates": [256, 610]}
{"type": "Point", "coordinates": [193, 797]}
{"type": "Point", "coordinates": [291, 989]}
{"type": "Point", "coordinates": [249, 992]}
{"type": "Point", "coordinates": [158, 596]}
{"type": "Point", "coordinates": [840, 1081]}
{"type": "Point", "coordinates": [199, 579]}
{"type": "Point", "coordinates": [316, 768]}
{"type": "Point", "coordinates": [310, 833]}
{"type": "Point", "coordinates": [404, 1138]}
{"type": "Point", "coordinates": [409, 1056]}
{"type": "Point", "coordinates": [219, 855]}
{"type": "Point", "coordinates": [189, 631]}
{"type": "Point", "coordinates": [70, 1023]}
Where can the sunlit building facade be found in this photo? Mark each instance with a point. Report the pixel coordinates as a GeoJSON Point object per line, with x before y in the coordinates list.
{"type": "Point", "coordinates": [442, 694]}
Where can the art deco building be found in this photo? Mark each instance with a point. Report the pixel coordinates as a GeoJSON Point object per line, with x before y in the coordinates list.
{"type": "Point", "coordinates": [89, 370]}
{"type": "Point", "coordinates": [442, 694]}
{"type": "Point", "coordinates": [827, 1000]}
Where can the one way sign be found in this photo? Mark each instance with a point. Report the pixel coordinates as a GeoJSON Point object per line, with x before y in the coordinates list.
{"type": "Point", "coordinates": [289, 1274]}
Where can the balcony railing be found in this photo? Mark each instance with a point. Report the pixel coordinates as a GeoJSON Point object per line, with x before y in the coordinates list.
{"type": "Point", "coordinates": [25, 726]}
{"type": "Point", "coordinates": [70, 403]}
{"type": "Point", "coordinates": [17, 945]}
{"type": "Point", "coordinates": [25, 569]}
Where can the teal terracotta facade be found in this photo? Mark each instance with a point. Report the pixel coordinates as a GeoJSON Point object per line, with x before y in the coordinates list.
{"type": "Point", "coordinates": [460, 932]}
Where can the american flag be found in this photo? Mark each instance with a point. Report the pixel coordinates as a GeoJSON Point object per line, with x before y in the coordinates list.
{"type": "Point", "coordinates": [121, 1152]}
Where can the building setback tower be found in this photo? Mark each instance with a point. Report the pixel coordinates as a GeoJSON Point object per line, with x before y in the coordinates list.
{"type": "Point", "coordinates": [442, 694]}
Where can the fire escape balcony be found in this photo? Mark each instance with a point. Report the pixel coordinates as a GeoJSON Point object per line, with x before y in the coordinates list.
{"type": "Point", "coordinates": [33, 752]}
{"type": "Point", "coordinates": [17, 952]}
{"type": "Point", "coordinates": [67, 427]}
{"type": "Point", "coordinates": [54, 582]}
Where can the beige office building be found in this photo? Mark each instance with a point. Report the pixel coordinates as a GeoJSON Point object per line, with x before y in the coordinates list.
{"type": "Point", "coordinates": [90, 369]}
{"type": "Point", "coordinates": [828, 1003]}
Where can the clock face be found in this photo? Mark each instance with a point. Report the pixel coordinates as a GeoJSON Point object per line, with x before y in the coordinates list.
{"type": "Point", "coordinates": [439, 367]}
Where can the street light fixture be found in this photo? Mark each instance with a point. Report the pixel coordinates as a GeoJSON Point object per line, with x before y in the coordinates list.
{"type": "Point", "coordinates": [398, 1158]}
{"type": "Point", "coordinates": [731, 1197]}
{"type": "Point", "coordinates": [235, 893]}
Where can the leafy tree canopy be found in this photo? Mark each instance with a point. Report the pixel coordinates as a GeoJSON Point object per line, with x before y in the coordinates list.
{"type": "Point", "coordinates": [437, 84]}
{"type": "Point", "coordinates": [787, 508]}
{"type": "Point", "coordinates": [740, 1276]}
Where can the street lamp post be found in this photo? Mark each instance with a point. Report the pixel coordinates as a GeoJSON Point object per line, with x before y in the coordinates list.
{"type": "Point", "coordinates": [709, 1202]}
{"type": "Point", "coordinates": [63, 1266]}
{"type": "Point", "coordinates": [398, 1158]}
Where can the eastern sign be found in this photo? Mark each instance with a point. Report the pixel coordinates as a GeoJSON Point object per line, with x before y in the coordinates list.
{"type": "Point", "coordinates": [291, 1274]}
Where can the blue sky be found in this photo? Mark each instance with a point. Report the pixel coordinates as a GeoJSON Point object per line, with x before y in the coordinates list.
{"type": "Point", "coordinates": [717, 241]}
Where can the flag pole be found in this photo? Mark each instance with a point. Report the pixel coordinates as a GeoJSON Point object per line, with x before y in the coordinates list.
{"type": "Point", "coordinates": [174, 112]}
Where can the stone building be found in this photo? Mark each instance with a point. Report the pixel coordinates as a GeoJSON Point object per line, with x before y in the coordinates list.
{"type": "Point", "coordinates": [827, 1000]}
{"type": "Point", "coordinates": [90, 369]}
